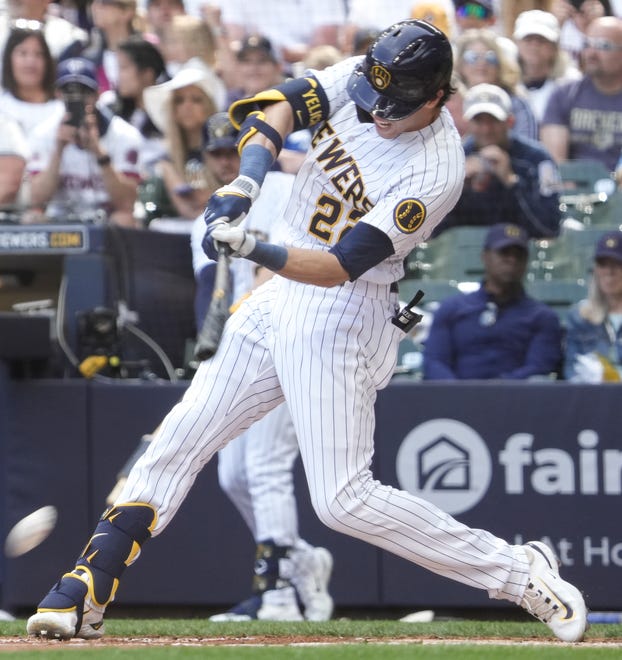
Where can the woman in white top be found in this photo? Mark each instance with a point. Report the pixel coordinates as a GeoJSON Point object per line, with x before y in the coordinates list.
{"type": "Point", "coordinates": [13, 155]}
{"type": "Point", "coordinates": [28, 74]}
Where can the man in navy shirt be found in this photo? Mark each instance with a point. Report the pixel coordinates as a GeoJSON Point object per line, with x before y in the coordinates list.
{"type": "Point", "coordinates": [508, 178]}
{"type": "Point", "coordinates": [497, 331]}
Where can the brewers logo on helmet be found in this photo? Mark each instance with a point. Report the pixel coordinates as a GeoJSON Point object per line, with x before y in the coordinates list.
{"type": "Point", "coordinates": [380, 77]}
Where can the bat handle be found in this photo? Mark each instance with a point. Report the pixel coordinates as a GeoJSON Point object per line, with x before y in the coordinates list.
{"type": "Point", "coordinates": [224, 250]}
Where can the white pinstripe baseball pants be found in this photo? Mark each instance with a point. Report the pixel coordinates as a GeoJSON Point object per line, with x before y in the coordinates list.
{"type": "Point", "coordinates": [328, 350]}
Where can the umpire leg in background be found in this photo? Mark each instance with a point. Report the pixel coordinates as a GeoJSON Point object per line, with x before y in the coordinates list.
{"type": "Point", "coordinates": [256, 472]}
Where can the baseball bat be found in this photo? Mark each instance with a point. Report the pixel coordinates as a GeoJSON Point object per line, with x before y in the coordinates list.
{"type": "Point", "coordinates": [218, 311]}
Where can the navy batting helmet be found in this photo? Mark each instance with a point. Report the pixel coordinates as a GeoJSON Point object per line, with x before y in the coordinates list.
{"type": "Point", "coordinates": [403, 68]}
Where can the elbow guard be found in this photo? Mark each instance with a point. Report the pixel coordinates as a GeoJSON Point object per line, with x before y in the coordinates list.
{"type": "Point", "coordinates": [305, 95]}
{"type": "Point", "coordinates": [254, 123]}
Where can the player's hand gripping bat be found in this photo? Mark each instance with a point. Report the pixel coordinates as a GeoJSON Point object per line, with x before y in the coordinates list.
{"type": "Point", "coordinates": [218, 312]}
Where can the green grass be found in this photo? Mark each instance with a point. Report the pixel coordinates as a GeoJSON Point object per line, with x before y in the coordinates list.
{"type": "Point", "coordinates": [359, 641]}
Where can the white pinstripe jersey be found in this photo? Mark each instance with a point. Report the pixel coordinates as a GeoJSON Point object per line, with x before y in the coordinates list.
{"type": "Point", "coordinates": [403, 186]}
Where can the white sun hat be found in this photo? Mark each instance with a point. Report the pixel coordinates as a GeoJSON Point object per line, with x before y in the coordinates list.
{"type": "Point", "coordinates": [157, 98]}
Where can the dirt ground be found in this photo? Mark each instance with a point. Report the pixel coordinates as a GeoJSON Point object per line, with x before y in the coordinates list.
{"type": "Point", "coordinates": [17, 643]}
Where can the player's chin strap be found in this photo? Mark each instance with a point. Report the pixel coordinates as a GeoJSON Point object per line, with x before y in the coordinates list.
{"type": "Point", "coordinates": [115, 544]}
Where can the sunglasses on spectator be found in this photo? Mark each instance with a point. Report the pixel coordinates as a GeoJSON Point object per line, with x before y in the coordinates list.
{"type": "Point", "coordinates": [602, 44]}
{"type": "Point", "coordinates": [26, 24]}
{"type": "Point", "coordinates": [473, 57]}
{"type": "Point", "coordinates": [473, 10]}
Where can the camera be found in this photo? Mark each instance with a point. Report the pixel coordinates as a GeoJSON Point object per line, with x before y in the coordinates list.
{"type": "Point", "coordinates": [74, 95]}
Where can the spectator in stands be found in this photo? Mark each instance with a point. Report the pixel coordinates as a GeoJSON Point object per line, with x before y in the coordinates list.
{"type": "Point", "coordinates": [114, 21]}
{"type": "Point", "coordinates": [480, 58]}
{"type": "Point", "coordinates": [543, 64]}
{"type": "Point", "coordinates": [497, 331]}
{"type": "Point", "coordinates": [508, 177]}
{"type": "Point", "coordinates": [574, 17]}
{"type": "Point", "coordinates": [360, 41]}
{"type": "Point", "coordinates": [474, 14]}
{"type": "Point", "coordinates": [187, 38]}
{"type": "Point", "coordinates": [583, 118]}
{"type": "Point", "coordinates": [13, 156]}
{"type": "Point", "coordinates": [509, 12]}
{"type": "Point", "coordinates": [366, 18]}
{"type": "Point", "coordinates": [259, 69]}
{"type": "Point", "coordinates": [319, 57]}
{"type": "Point", "coordinates": [292, 28]}
{"type": "Point", "coordinates": [593, 350]}
{"type": "Point", "coordinates": [28, 75]}
{"type": "Point", "coordinates": [141, 65]}
{"type": "Point", "coordinates": [179, 108]}
{"type": "Point", "coordinates": [439, 14]}
{"type": "Point", "coordinates": [84, 164]}
{"type": "Point", "coordinates": [77, 12]}
{"type": "Point", "coordinates": [35, 14]}
{"type": "Point", "coordinates": [159, 15]}
{"type": "Point", "coordinates": [223, 54]}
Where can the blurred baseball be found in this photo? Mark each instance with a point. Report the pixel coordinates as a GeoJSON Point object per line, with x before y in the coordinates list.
{"type": "Point", "coordinates": [30, 531]}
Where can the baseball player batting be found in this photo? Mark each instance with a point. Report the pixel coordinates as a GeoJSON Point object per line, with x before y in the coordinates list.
{"type": "Point", "coordinates": [256, 469]}
{"type": "Point", "coordinates": [385, 166]}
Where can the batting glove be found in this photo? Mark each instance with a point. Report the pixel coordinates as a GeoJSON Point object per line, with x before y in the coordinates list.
{"type": "Point", "coordinates": [231, 203]}
{"type": "Point", "coordinates": [209, 245]}
{"type": "Point", "coordinates": [240, 242]}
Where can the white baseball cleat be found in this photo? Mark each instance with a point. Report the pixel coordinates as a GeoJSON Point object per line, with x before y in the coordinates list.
{"type": "Point", "coordinates": [53, 625]}
{"type": "Point", "coordinates": [550, 599]}
{"type": "Point", "coordinates": [62, 625]}
{"type": "Point", "coordinates": [279, 605]}
{"type": "Point", "coordinates": [312, 571]}
{"type": "Point", "coordinates": [272, 605]}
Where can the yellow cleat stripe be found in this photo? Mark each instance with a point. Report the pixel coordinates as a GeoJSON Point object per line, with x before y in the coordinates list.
{"type": "Point", "coordinates": [52, 609]}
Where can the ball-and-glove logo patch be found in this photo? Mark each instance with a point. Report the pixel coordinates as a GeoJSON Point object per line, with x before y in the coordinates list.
{"type": "Point", "coordinates": [380, 77]}
{"type": "Point", "coordinates": [409, 215]}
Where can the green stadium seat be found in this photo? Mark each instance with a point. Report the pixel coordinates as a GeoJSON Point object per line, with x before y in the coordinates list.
{"type": "Point", "coordinates": [454, 255]}
{"type": "Point", "coordinates": [588, 192]}
{"type": "Point", "coordinates": [567, 257]}
{"type": "Point", "coordinates": [434, 290]}
{"type": "Point", "coordinates": [557, 294]}
{"type": "Point", "coordinates": [581, 176]}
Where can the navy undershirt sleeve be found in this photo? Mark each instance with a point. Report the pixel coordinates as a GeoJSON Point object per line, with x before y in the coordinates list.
{"type": "Point", "coordinates": [362, 248]}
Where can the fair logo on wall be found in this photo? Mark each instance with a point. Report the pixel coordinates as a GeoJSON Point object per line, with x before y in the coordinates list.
{"type": "Point", "coordinates": [445, 462]}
